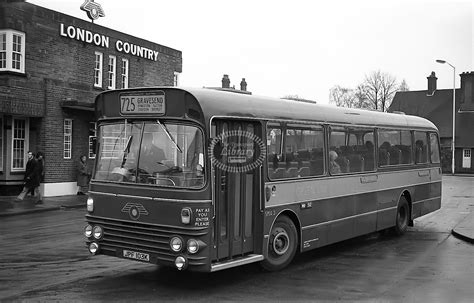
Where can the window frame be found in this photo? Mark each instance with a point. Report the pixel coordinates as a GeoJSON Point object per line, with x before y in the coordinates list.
{"type": "Point", "coordinates": [24, 139]}
{"type": "Point", "coordinates": [92, 140]}
{"type": "Point", "coordinates": [8, 47]}
{"type": "Point", "coordinates": [67, 138]}
{"type": "Point", "coordinates": [111, 72]}
{"type": "Point", "coordinates": [176, 79]}
{"type": "Point", "coordinates": [125, 72]}
{"type": "Point", "coordinates": [98, 65]}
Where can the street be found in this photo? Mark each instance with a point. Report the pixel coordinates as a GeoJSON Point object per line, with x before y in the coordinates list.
{"type": "Point", "coordinates": [44, 258]}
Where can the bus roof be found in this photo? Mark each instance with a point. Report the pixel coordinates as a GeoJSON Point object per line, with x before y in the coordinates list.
{"type": "Point", "coordinates": [221, 103]}
{"type": "Point", "coordinates": [217, 103]}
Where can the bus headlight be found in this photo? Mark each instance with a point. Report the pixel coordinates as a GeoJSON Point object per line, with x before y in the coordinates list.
{"type": "Point", "coordinates": [186, 214]}
{"type": "Point", "coordinates": [192, 246]}
{"type": "Point", "coordinates": [88, 231]}
{"type": "Point", "coordinates": [90, 204]}
{"type": "Point", "coordinates": [180, 263]}
{"type": "Point", "coordinates": [97, 232]}
{"type": "Point", "coordinates": [93, 248]}
{"type": "Point", "coordinates": [176, 244]}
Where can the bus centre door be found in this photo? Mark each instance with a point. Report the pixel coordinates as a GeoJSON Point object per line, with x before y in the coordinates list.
{"type": "Point", "coordinates": [236, 152]}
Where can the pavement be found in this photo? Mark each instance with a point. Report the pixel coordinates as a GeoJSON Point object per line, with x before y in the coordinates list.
{"type": "Point", "coordinates": [9, 207]}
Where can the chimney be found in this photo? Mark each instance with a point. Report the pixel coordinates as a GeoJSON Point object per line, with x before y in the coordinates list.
{"type": "Point", "coordinates": [467, 91]}
{"type": "Point", "coordinates": [243, 85]}
{"type": "Point", "coordinates": [225, 81]}
{"type": "Point", "coordinates": [431, 84]}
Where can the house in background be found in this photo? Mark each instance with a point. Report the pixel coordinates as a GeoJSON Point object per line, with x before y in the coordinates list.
{"type": "Point", "coordinates": [52, 66]}
{"type": "Point", "coordinates": [436, 105]}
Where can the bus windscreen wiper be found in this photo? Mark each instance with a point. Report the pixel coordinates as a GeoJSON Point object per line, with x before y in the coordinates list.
{"type": "Point", "coordinates": [170, 136]}
{"type": "Point", "coordinates": [126, 150]}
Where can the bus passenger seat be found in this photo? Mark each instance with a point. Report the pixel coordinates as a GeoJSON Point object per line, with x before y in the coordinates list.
{"type": "Point", "coordinates": [292, 172]}
{"type": "Point", "coordinates": [303, 172]}
{"type": "Point", "coordinates": [356, 163]}
{"type": "Point", "coordinates": [279, 173]}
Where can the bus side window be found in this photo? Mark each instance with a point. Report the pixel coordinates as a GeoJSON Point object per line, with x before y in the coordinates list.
{"type": "Point", "coordinates": [434, 148]}
{"type": "Point", "coordinates": [304, 146]}
{"type": "Point", "coordinates": [421, 147]}
{"type": "Point", "coordinates": [274, 156]}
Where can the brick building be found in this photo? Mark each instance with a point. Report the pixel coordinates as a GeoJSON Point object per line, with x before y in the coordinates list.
{"type": "Point", "coordinates": [436, 105]}
{"type": "Point", "coordinates": [52, 66]}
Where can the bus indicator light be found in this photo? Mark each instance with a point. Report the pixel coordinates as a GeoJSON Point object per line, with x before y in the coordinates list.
{"type": "Point", "coordinates": [90, 204]}
{"type": "Point", "coordinates": [186, 215]}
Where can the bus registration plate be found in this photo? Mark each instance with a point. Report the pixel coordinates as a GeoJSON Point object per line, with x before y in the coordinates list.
{"type": "Point", "coordinates": [136, 255]}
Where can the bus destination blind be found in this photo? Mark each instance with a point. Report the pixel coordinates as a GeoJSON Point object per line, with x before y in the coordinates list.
{"type": "Point", "coordinates": [139, 103]}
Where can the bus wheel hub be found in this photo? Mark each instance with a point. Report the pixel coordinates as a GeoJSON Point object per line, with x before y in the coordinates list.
{"type": "Point", "coordinates": [281, 241]}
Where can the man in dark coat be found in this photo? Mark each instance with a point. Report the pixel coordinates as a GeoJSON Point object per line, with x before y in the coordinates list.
{"type": "Point", "coordinates": [32, 178]}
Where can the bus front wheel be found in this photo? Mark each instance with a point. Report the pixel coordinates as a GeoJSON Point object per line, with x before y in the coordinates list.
{"type": "Point", "coordinates": [403, 216]}
{"type": "Point", "coordinates": [282, 244]}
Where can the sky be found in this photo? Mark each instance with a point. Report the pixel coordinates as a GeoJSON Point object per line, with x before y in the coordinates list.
{"type": "Point", "coordinates": [299, 47]}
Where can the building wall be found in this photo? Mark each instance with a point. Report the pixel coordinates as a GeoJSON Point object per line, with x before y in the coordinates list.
{"type": "Point", "coordinates": [60, 68]}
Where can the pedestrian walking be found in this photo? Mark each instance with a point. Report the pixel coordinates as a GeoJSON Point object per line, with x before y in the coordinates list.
{"type": "Point", "coordinates": [32, 178]}
{"type": "Point", "coordinates": [83, 176]}
{"type": "Point", "coordinates": [40, 172]}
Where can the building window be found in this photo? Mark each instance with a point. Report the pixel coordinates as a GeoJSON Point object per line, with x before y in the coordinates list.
{"type": "Point", "coordinates": [111, 73]}
{"type": "Point", "coordinates": [3, 51]}
{"type": "Point", "coordinates": [92, 139]}
{"type": "Point", "coordinates": [124, 73]}
{"type": "Point", "coordinates": [19, 143]}
{"type": "Point", "coordinates": [176, 79]}
{"type": "Point", "coordinates": [1, 143]}
{"type": "Point", "coordinates": [98, 70]}
{"type": "Point", "coordinates": [67, 138]}
{"type": "Point", "coordinates": [12, 51]}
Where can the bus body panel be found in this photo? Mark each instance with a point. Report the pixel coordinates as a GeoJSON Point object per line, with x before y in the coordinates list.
{"type": "Point", "coordinates": [146, 225]}
{"type": "Point", "coordinates": [330, 212]}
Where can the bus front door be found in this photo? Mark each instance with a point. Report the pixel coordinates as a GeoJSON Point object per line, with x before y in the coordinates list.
{"type": "Point", "coordinates": [236, 150]}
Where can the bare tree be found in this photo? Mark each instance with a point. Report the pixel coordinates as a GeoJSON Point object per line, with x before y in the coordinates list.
{"type": "Point", "coordinates": [381, 87]}
{"type": "Point", "coordinates": [360, 97]}
{"type": "Point", "coordinates": [389, 86]}
{"type": "Point", "coordinates": [375, 93]}
{"type": "Point", "coordinates": [403, 86]}
{"type": "Point", "coordinates": [342, 96]}
{"type": "Point", "coordinates": [373, 84]}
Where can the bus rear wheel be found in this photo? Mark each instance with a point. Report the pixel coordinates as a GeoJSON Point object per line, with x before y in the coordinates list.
{"type": "Point", "coordinates": [282, 244]}
{"type": "Point", "coordinates": [403, 216]}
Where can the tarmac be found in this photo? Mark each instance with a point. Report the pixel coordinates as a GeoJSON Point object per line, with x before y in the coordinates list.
{"type": "Point", "coordinates": [464, 230]}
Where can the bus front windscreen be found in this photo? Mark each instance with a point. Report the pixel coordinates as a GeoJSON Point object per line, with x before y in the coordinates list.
{"type": "Point", "coordinates": [153, 152]}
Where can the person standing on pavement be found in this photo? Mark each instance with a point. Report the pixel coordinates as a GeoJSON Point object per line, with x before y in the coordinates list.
{"type": "Point", "coordinates": [83, 176]}
{"type": "Point", "coordinates": [31, 179]}
{"type": "Point", "coordinates": [40, 172]}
